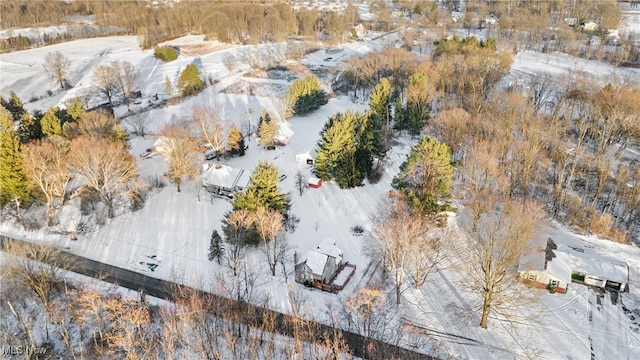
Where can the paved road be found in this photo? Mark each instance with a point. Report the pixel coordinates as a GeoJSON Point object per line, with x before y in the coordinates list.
{"type": "Point", "coordinates": [162, 289]}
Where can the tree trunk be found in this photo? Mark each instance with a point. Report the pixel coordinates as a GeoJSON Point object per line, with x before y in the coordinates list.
{"type": "Point", "coordinates": [486, 307]}
{"type": "Point", "coordinates": [398, 294]}
{"type": "Point", "coordinates": [110, 206]}
{"type": "Point", "coordinates": [50, 213]}
{"type": "Point", "coordinates": [178, 184]}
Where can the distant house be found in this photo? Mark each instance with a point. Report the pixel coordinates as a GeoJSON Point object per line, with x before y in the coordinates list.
{"type": "Point", "coordinates": [491, 20]}
{"type": "Point", "coordinates": [224, 180]}
{"type": "Point", "coordinates": [319, 265]}
{"type": "Point", "coordinates": [558, 265]}
{"type": "Point", "coordinates": [589, 26]}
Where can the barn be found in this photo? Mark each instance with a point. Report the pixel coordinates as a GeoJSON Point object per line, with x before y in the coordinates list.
{"type": "Point", "coordinates": [314, 182]}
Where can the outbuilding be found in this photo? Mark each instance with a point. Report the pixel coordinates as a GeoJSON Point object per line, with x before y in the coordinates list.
{"type": "Point", "coordinates": [315, 182]}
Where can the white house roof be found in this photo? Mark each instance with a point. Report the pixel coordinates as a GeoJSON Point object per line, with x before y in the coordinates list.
{"type": "Point", "coordinates": [302, 158]}
{"type": "Point", "coordinates": [284, 132]}
{"type": "Point", "coordinates": [314, 181]}
{"type": "Point", "coordinates": [535, 258]}
{"type": "Point", "coordinates": [328, 247]}
{"type": "Point", "coordinates": [316, 261]}
{"type": "Point", "coordinates": [223, 176]}
{"type": "Point", "coordinates": [568, 259]}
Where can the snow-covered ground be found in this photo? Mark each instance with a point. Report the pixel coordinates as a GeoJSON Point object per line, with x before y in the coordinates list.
{"type": "Point", "coordinates": [173, 229]}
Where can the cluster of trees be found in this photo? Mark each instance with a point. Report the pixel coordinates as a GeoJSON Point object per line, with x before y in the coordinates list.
{"type": "Point", "coordinates": [426, 177]}
{"type": "Point", "coordinates": [405, 242]}
{"type": "Point", "coordinates": [306, 95]}
{"type": "Point", "coordinates": [182, 141]}
{"type": "Point", "coordinates": [348, 144]}
{"type": "Point", "coordinates": [81, 322]}
{"type": "Point", "coordinates": [559, 146]}
{"type": "Point", "coordinates": [258, 218]}
{"type": "Point", "coordinates": [116, 81]}
{"type": "Point", "coordinates": [44, 152]}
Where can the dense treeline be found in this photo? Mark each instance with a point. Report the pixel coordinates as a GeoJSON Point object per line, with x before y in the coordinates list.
{"type": "Point", "coordinates": [236, 22]}
{"type": "Point", "coordinates": [559, 141]}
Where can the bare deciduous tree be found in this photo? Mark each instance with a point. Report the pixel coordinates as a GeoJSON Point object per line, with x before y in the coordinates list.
{"type": "Point", "coordinates": [94, 124]}
{"type": "Point", "coordinates": [139, 123]}
{"type": "Point", "coordinates": [230, 62]}
{"type": "Point", "coordinates": [57, 65]}
{"type": "Point", "coordinates": [45, 164]}
{"type": "Point", "coordinates": [178, 148]}
{"type": "Point", "coordinates": [211, 126]}
{"type": "Point", "coordinates": [301, 182]}
{"type": "Point", "coordinates": [36, 267]}
{"type": "Point", "coordinates": [106, 83]}
{"type": "Point", "coordinates": [106, 167]}
{"type": "Point", "coordinates": [269, 224]}
{"type": "Point", "coordinates": [127, 78]}
{"type": "Point", "coordinates": [497, 234]}
{"type": "Point", "coordinates": [403, 243]}
{"type": "Point", "coordinates": [367, 313]}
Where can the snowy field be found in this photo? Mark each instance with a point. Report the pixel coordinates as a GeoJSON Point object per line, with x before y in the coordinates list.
{"type": "Point", "coordinates": [173, 229]}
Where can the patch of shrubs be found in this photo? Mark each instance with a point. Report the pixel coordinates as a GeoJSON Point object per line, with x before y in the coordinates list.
{"type": "Point", "coordinates": [165, 53]}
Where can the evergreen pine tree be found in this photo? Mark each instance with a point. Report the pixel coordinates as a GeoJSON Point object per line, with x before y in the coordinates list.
{"type": "Point", "coordinates": [426, 176]}
{"type": "Point", "coordinates": [267, 130]}
{"type": "Point", "coordinates": [399, 118]}
{"type": "Point", "coordinates": [75, 109]}
{"type": "Point", "coordinates": [264, 118]}
{"type": "Point", "coordinates": [168, 86]}
{"type": "Point", "coordinates": [348, 173]}
{"type": "Point", "coordinates": [307, 95]}
{"type": "Point", "coordinates": [29, 127]}
{"type": "Point", "coordinates": [235, 141]}
{"type": "Point", "coordinates": [189, 82]}
{"type": "Point", "coordinates": [380, 100]}
{"type": "Point", "coordinates": [347, 146]}
{"type": "Point", "coordinates": [14, 105]}
{"type": "Point", "coordinates": [263, 191]}
{"type": "Point", "coordinates": [338, 133]}
{"type": "Point", "coordinates": [216, 247]}
{"type": "Point", "coordinates": [13, 179]}
{"type": "Point", "coordinates": [418, 97]}
{"type": "Point", "coordinates": [50, 123]}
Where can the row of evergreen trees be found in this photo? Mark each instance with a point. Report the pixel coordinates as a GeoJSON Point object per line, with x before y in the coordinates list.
{"type": "Point", "coordinates": [350, 142]}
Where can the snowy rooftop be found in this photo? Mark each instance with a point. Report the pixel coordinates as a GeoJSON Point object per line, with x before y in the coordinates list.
{"type": "Point", "coordinates": [328, 246]}
{"type": "Point", "coordinates": [223, 176]}
{"type": "Point", "coordinates": [284, 132]}
{"type": "Point", "coordinates": [316, 261]}
{"type": "Point", "coordinates": [568, 259]}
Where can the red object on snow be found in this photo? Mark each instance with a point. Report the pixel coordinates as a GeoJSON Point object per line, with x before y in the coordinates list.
{"type": "Point", "coordinates": [315, 182]}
